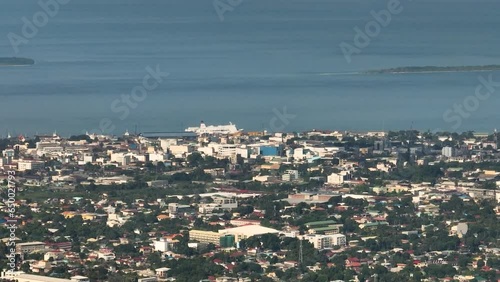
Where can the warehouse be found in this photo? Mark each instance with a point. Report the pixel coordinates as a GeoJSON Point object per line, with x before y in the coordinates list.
{"type": "Point", "coordinates": [244, 232]}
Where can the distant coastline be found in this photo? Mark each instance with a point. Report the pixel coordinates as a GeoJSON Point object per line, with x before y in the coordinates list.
{"type": "Point", "coordinates": [13, 61]}
{"type": "Point", "coordinates": [426, 69]}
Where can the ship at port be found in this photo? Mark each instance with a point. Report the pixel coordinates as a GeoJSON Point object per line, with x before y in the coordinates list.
{"type": "Point", "coordinates": [214, 129]}
{"type": "Point", "coordinates": [13, 61]}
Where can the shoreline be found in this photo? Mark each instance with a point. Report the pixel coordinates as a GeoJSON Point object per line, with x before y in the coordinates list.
{"type": "Point", "coordinates": [434, 69]}
{"type": "Point", "coordinates": [16, 65]}
{"type": "Point", "coordinates": [16, 62]}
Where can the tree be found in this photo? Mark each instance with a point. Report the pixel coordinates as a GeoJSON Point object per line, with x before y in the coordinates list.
{"type": "Point", "coordinates": [98, 273]}
{"type": "Point", "coordinates": [440, 270]}
{"type": "Point", "coordinates": [195, 159]}
{"type": "Point", "coordinates": [155, 260]}
{"type": "Point", "coordinates": [196, 269]}
{"type": "Point", "coordinates": [26, 267]}
{"type": "Point", "coordinates": [480, 264]}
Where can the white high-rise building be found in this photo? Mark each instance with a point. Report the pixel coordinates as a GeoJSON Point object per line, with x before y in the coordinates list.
{"type": "Point", "coordinates": [448, 152]}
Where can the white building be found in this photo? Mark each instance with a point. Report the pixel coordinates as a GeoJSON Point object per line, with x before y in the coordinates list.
{"type": "Point", "coordinates": [207, 208]}
{"type": "Point", "coordinates": [208, 151]}
{"type": "Point", "coordinates": [383, 167]}
{"type": "Point", "coordinates": [302, 154]}
{"type": "Point", "coordinates": [166, 143]}
{"type": "Point", "coordinates": [448, 152]}
{"type": "Point", "coordinates": [117, 157]}
{"type": "Point", "coordinates": [243, 151]}
{"type": "Point", "coordinates": [88, 159]}
{"type": "Point", "coordinates": [116, 220]}
{"type": "Point", "coordinates": [203, 236]}
{"type": "Point", "coordinates": [244, 232]}
{"type": "Point", "coordinates": [148, 279]}
{"type": "Point", "coordinates": [79, 278]}
{"type": "Point", "coordinates": [180, 150]}
{"type": "Point", "coordinates": [157, 157]}
{"type": "Point", "coordinates": [54, 254]}
{"type": "Point", "coordinates": [30, 247]}
{"type": "Point", "coordinates": [106, 255]}
{"type": "Point", "coordinates": [339, 178]}
{"type": "Point", "coordinates": [321, 242]}
{"type": "Point", "coordinates": [161, 273]}
{"type": "Point", "coordinates": [226, 150]}
{"type": "Point", "coordinates": [225, 202]}
{"type": "Point", "coordinates": [161, 245]}
{"type": "Point", "coordinates": [127, 159]}
{"type": "Point", "coordinates": [119, 179]}
{"type": "Point", "coordinates": [29, 165]}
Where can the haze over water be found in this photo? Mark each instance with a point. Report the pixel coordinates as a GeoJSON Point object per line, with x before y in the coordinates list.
{"type": "Point", "coordinates": [266, 54]}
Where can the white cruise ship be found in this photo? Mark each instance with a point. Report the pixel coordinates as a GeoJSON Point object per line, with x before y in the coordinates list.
{"type": "Point", "coordinates": [213, 129]}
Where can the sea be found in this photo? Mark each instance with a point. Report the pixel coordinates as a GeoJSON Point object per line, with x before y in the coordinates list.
{"type": "Point", "coordinates": [273, 65]}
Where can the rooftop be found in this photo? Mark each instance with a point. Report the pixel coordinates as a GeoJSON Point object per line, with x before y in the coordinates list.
{"type": "Point", "coordinates": [23, 277]}
{"type": "Point", "coordinates": [324, 222]}
{"type": "Point", "coordinates": [249, 230]}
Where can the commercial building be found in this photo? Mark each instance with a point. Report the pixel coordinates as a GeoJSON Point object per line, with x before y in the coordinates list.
{"type": "Point", "coordinates": [244, 232]}
{"type": "Point", "coordinates": [225, 150]}
{"type": "Point", "coordinates": [30, 247]}
{"type": "Point", "coordinates": [339, 178]}
{"type": "Point", "coordinates": [326, 227]}
{"type": "Point", "coordinates": [242, 222]}
{"type": "Point", "coordinates": [225, 202]}
{"type": "Point", "coordinates": [205, 236]}
{"type": "Point", "coordinates": [29, 165]}
{"type": "Point", "coordinates": [321, 242]}
{"type": "Point", "coordinates": [309, 198]}
{"type": "Point", "coordinates": [175, 209]}
{"type": "Point", "coordinates": [180, 150]}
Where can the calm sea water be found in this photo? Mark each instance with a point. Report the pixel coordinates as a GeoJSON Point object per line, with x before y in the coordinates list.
{"type": "Point", "coordinates": [264, 56]}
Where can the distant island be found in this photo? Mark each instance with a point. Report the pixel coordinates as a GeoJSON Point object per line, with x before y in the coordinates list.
{"type": "Point", "coordinates": [16, 61]}
{"type": "Point", "coordinates": [435, 69]}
